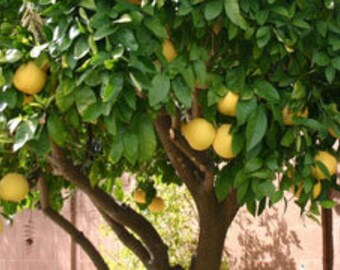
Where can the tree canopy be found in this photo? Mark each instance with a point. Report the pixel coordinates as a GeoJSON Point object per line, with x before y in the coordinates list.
{"type": "Point", "coordinates": [91, 89]}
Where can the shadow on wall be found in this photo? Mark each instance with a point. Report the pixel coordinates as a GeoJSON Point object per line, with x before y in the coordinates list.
{"type": "Point", "coordinates": [264, 246]}
{"type": "Point", "coordinates": [336, 196]}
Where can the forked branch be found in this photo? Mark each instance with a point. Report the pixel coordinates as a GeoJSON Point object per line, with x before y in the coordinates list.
{"type": "Point", "coordinates": [121, 214]}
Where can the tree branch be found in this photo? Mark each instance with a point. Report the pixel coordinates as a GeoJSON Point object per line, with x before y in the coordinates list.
{"type": "Point", "coordinates": [197, 158]}
{"type": "Point", "coordinates": [128, 239]}
{"type": "Point", "coordinates": [179, 160]}
{"type": "Point", "coordinates": [196, 110]}
{"type": "Point", "coordinates": [121, 214]}
{"type": "Point", "coordinates": [69, 228]}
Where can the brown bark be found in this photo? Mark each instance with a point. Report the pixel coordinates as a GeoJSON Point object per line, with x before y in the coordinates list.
{"type": "Point", "coordinates": [214, 217]}
{"type": "Point", "coordinates": [121, 214]}
{"type": "Point", "coordinates": [69, 228]}
{"type": "Point", "coordinates": [327, 239]}
{"type": "Point", "coordinates": [128, 240]}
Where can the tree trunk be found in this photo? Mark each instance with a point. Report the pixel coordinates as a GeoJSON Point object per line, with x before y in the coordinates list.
{"type": "Point", "coordinates": [198, 174]}
{"type": "Point", "coordinates": [215, 220]}
{"type": "Point", "coordinates": [210, 244]}
{"type": "Point", "coordinates": [327, 238]}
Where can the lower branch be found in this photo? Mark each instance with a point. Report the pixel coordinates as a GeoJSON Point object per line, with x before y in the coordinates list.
{"type": "Point", "coordinates": [121, 214]}
{"type": "Point", "coordinates": [128, 240]}
{"type": "Point", "coordinates": [69, 228]}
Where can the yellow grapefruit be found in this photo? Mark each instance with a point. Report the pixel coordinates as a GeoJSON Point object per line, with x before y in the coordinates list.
{"type": "Point", "coordinates": [139, 196]}
{"type": "Point", "coordinates": [199, 134]}
{"type": "Point", "coordinates": [29, 78]}
{"type": "Point", "coordinates": [287, 115]}
{"type": "Point", "coordinates": [328, 160]}
{"type": "Point", "coordinates": [317, 189]}
{"type": "Point", "coordinates": [156, 205]}
{"type": "Point", "coordinates": [227, 105]}
{"type": "Point", "coordinates": [223, 142]}
{"type": "Point", "coordinates": [169, 50]}
{"type": "Point", "coordinates": [13, 187]}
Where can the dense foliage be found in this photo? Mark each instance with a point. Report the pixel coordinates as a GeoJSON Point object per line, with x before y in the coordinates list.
{"type": "Point", "coordinates": [114, 66]}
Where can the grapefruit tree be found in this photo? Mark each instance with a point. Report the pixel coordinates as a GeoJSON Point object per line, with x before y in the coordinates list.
{"type": "Point", "coordinates": [236, 99]}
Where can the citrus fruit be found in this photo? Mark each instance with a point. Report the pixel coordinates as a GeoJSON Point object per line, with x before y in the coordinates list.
{"type": "Point", "coordinates": [223, 142]}
{"type": "Point", "coordinates": [199, 133]}
{"type": "Point", "coordinates": [287, 115]}
{"type": "Point", "coordinates": [169, 50]}
{"type": "Point", "coordinates": [13, 187]}
{"type": "Point", "coordinates": [328, 160]}
{"type": "Point", "coordinates": [156, 205]}
{"type": "Point", "coordinates": [139, 196]}
{"type": "Point", "coordinates": [227, 105]}
{"type": "Point", "coordinates": [29, 78]}
{"type": "Point", "coordinates": [317, 189]}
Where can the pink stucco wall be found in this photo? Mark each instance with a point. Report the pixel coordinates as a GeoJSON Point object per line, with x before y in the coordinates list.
{"type": "Point", "coordinates": [276, 240]}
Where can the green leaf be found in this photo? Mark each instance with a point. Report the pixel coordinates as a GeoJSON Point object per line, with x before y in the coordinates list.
{"type": "Point", "coordinates": [336, 63]}
{"type": "Point", "coordinates": [111, 89]}
{"type": "Point", "coordinates": [159, 90]}
{"type": "Point", "coordinates": [81, 48]}
{"type": "Point", "coordinates": [253, 165]}
{"type": "Point", "coordinates": [131, 146]}
{"type": "Point", "coordinates": [299, 90]}
{"type": "Point", "coordinates": [238, 142]}
{"type": "Point", "coordinates": [189, 76]}
{"type": "Point", "coordinates": [146, 137]}
{"type": "Point", "coordinates": [116, 149]}
{"type": "Point", "coordinates": [330, 73]}
{"type": "Point", "coordinates": [41, 145]}
{"type": "Point", "coordinates": [256, 128]}
{"type": "Point", "coordinates": [200, 71]}
{"type": "Point", "coordinates": [232, 10]}
{"type": "Point", "coordinates": [213, 9]}
{"type": "Point", "coordinates": [127, 38]}
{"type": "Point", "coordinates": [104, 31]}
{"type": "Point", "coordinates": [155, 26]}
{"type": "Point", "coordinates": [2, 78]}
{"type": "Point", "coordinates": [8, 99]}
{"type": "Point", "coordinates": [288, 138]}
{"type": "Point", "coordinates": [328, 204]}
{"type": "Point", "coordinates": [92, 112]}
{"type": "Point", "coordinates": [95, 174]}
{"type": "Point", "coordinates": [56, 129]}
{"type": "Point", "coordinates": [11, 56]}
{"type": "Point", "coordinates": [276, 196]}
{"type": "Point", "coordinates": [243, 110]}
{"type": "Point", "coordinates": [310, 123]}
{"type": "Point", "coordinates": [263, 36]}
{"type": "Point", "coordinates": [89, 4]}
{"type": "Point", "coordinates": [182, 92]}
{"type": "Point", "coordinates": [224, 181]}
{"type": "Point", "coordinates": [64, 94]}
{"type": "Point", "coordinates": [267, 188]}
{"type": "Point", "coordinates": [321, 58]}
{"type": "Point", "coordinates": [85, 97]}
{"type": "Point", "coordinates": [242, 192]}
{"type": "Point", "coordinates": [267, 91]}
{"type": "Point", "coordinates": [24, 133]}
